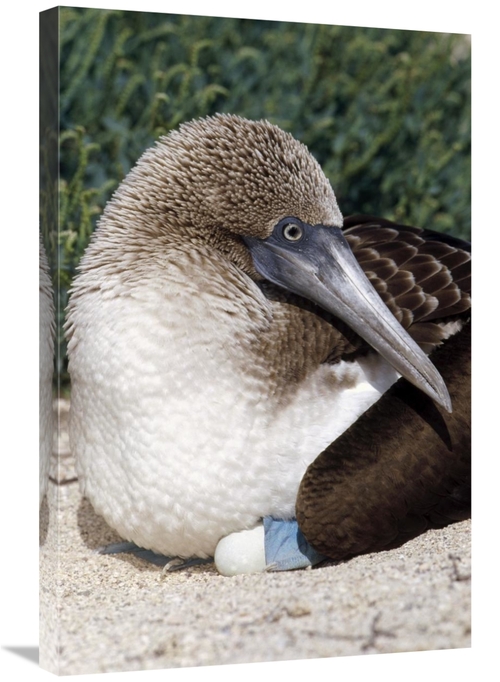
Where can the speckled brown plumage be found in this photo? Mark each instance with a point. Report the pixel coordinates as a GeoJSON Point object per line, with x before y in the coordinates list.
{"type": "Point", "coordinates": [423, 277]}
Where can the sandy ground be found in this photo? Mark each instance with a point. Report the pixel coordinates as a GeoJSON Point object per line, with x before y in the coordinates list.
{"type": "Point", "coordinates": [118, 613]}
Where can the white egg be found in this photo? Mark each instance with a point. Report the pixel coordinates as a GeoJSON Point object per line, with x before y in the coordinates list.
{"type": "Point", "coordinates": [241, 552]}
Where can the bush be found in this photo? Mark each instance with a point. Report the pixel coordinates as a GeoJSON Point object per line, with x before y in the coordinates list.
{"type": "Point", "coordinates": [385, 112]}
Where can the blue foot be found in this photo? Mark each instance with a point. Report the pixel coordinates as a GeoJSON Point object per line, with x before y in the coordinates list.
{"type": "Point", "coordinates": [286, 547]}
{"type": "Point", "coordinates": [178, 564]}
{"type": "Point", "coordinates": [167, 563]}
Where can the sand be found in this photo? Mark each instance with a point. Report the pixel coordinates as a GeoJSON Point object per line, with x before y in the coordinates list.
{"type": "Point", "coordinates": [118, 613]}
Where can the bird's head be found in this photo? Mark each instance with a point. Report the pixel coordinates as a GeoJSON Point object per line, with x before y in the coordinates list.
{"type": "Point", "coordinates": [258, 196]}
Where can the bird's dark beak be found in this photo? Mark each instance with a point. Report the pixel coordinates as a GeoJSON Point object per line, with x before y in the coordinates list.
{"type": "Point", "coordinates": [321, 267]}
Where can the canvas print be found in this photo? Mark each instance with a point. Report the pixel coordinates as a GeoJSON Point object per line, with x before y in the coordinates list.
{"type": "Point", "coordinates": [254, 341]}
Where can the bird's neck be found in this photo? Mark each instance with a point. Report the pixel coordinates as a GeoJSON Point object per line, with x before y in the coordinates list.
{"type": "Point", "coordinates": [256, 328]}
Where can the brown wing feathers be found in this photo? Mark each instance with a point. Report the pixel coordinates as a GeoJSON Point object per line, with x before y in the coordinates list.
{"type": "Point", "coordinates": [404, 466]}
{"type": "Point", "coordinates": [424, 282]}
{"type": "Point", "coordinates": [401, 468]}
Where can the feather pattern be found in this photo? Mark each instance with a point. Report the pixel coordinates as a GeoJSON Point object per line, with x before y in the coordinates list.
{"type": "Point", "coordinates": [425, 282]}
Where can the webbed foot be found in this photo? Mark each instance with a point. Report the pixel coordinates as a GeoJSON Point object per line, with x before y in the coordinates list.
{"type": "Point", "coordinates": [167, 563]}
{"type": "Point", "coordinates": [286, 547]}
{"type": "Point", "coordinates": [179, 564]}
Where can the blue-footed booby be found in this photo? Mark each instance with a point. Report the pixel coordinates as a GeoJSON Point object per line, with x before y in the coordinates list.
{"type": "Point", "coordinates": [227, 327]}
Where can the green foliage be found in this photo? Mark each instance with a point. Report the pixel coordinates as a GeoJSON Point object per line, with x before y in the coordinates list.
{"type": "Point", "coordinates": [385, 112]}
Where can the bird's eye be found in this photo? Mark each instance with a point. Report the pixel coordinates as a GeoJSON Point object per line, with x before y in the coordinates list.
{"type": "Point", "coordinates": [292, 232]}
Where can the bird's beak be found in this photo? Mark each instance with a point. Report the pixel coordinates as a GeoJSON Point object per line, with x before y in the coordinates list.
{"type": "Point", "coordinates": [322, 268]}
